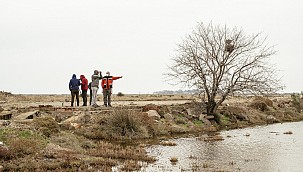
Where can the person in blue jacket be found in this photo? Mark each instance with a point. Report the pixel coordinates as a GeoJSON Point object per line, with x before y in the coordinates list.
{"type": "Point", "coordinates": [74, 84]}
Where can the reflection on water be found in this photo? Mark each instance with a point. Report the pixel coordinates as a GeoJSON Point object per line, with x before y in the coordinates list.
{"type": "Point", "coordinates": [263, 148]}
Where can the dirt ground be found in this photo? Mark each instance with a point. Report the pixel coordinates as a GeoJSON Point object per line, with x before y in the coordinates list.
{"type": "Point", "coordinates": [42, 132]}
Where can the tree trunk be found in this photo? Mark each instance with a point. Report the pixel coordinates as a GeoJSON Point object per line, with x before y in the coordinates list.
{"type": "Point", "coordinates": [211, 110]}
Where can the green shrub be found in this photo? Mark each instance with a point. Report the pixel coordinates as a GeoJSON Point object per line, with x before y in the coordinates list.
{"type": "Point", "coordinates": [198, 123]}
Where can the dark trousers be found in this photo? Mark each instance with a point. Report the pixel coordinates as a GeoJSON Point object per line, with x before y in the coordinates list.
{"type": "Point", "coordinates": [75, 93]}
{"type": "Point", "coordinates": [90, 96]}
{"type": "Point", "coordinates": [84, 96]}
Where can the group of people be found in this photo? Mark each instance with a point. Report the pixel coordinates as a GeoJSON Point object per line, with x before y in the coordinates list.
{"type": "Point", "coordinates": [93, 86]}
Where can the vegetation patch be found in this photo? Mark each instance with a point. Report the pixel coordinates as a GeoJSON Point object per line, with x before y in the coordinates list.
{"type": "Point", "coordinates": [115, 151]}
{"type": "Point", "coordinates": [129, 124]}
{"type": "Point", "coordinates": [47, 125]}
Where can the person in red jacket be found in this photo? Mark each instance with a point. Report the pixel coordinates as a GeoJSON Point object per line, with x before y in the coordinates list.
{"type": "Point", "coordinates": [84, 88]}
{"type": "Point", "coordinates": [107, 85]}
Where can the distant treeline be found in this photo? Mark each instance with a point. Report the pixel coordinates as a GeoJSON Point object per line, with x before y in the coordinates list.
{"type": "Point", "coordinates": [167, 92]}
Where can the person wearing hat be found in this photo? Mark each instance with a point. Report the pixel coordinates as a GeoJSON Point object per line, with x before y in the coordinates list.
{"type": "Point", "coordinates": [95, 86]}
{"type": "Point", "coordinates": [107, 85]}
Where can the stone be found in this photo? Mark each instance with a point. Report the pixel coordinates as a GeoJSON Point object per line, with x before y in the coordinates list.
{"type": "Point", "coordinates": [201, 117]}
{"type": "Point", "coordinates": [5, 122]}
{"type": "Point", "coordinates": [28, 115]}
{"type": "Point", "coordinates": [5, 115]}
{"type": "Point", "coordinates": [153, 114]}
{"type": "Point", "coordinates": [76, 118]}
{"type": "Point", "coordinates": [206, 121]}
{"type": "Point", "coordinates": [168, 117]}
{"type": "Point", "coordinates": [242, 117]}
{"type": "Point", "coordinates": [190, 124]}
{"type": "Point", "coordinates": [271, 119]}
{"type": "Point", "coordinates": [150, 107]}
{"type": "Point", "coordinates": [189, 112]}
{"type": "Point", "coordinates": [55, 151]}
{"type": "Point", "coordinates": [209, 117]}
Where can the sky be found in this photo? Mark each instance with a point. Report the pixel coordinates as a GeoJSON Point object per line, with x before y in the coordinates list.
{"type": "Point", "coordinates": [44, 42]}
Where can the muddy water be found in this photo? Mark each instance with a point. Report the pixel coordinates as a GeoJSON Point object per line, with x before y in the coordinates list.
{"type": "Point", "coordinates": [264, 148]}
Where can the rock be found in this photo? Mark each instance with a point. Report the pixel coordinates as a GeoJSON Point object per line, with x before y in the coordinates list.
{"type": "Point", "coordinates": [206, 122]}
{"type": "Point", "coordinates": [176, 129]}
{"type": "Point", "coordinates": [153, 114]}
{"type": "Point", "coordinates": [1, 109]}
{"type": "Point", "coordinates": [5, 122]}
{"type": "Point", "coordinates": [55, 151]}
{"type": "Point", "coordinates": [5, 115]}
{"type": "Point", "coordinates": [5, 152]}
{"type": "Point", "coordinates": [209, 117]}
{"type": "Point", "coordinates": [190, 124]}
{"type": "Point", "coordinates": [192, 113]}
{"type": "Point", "coordinates": [208, 138]}
{"type": "Point", "coordinates": [204, 118]}
{"type": "Point", "coordinates": [201, 117]}
{"type": "Point", "coordinates": [76, 118]}
{"type": "Point", "coordinates": [150, 107]}
{"type": "Point", "coordinates": [271, 119]}
{"type": "Point", "coordinates": [210, 129]}
{"type": "Point", "coordinates": [242, 117]}
{"type": "Point", "coordinates": [75, 125]}
{"type": "Point", "coordinates": [168, 117]}
{"type": "Point", "coordinates": [28, 115]}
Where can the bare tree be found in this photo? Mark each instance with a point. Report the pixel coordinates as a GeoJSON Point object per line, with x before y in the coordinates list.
{"type": "Point", "coordinates": [219, 61]}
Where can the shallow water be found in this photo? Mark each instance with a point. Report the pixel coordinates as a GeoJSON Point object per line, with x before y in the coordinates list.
{"type": "Point", "coordinates": [263, 148]}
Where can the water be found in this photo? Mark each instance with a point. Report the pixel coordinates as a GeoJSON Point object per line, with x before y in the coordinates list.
{"type": "Point", "coordinates": [263, 148]}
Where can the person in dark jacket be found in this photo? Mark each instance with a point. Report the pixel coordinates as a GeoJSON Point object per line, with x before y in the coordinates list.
{"type": "Point", "coordinates": [84, 88]}
{"type": "Point", "coordinates": [74, 84]}
{"type": "Point", "coordinates": [90, 93]}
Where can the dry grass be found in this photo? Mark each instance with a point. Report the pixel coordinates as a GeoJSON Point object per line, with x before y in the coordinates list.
{"type": "Point", "coordinates": [113, 151]}
{"type": "Point", "coordinates": [131, 166]}
{"type": "Point", "coordinates": [174, 160]}
{"type": "Point", "coordinates": [20, 143]}
{"type": "Point", "coordinates": [47, 125]}
{"type": "Point", "coordinates": [128, 124]}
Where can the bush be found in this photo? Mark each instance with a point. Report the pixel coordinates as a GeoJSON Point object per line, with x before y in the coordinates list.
{"type": "Point", "coordinates": [261, 103]}
{"type": "Point", "coordinates": [129, 124]}
{"type": "Point", "coordinates": [20, 147]}
{"type": "Point", "coordinates": [120, 94]}
{"type": "Point", "coordinates": [5, 154]}
{"type": "Point", "coordinates": [296, 101]}
{"type": "Point", "coordinates": [46, 125]}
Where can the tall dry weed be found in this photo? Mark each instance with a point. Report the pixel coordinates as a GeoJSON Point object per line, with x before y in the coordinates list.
{"type": "Point", "coordinates": [129, 124]}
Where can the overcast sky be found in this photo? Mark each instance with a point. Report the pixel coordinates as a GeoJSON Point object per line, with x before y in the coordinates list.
{"type": "Point", "coordinates": [43, 42]}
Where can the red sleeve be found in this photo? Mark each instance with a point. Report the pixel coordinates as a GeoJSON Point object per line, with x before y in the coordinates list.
{"type": "Point", "coordinates": [116, 77]}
